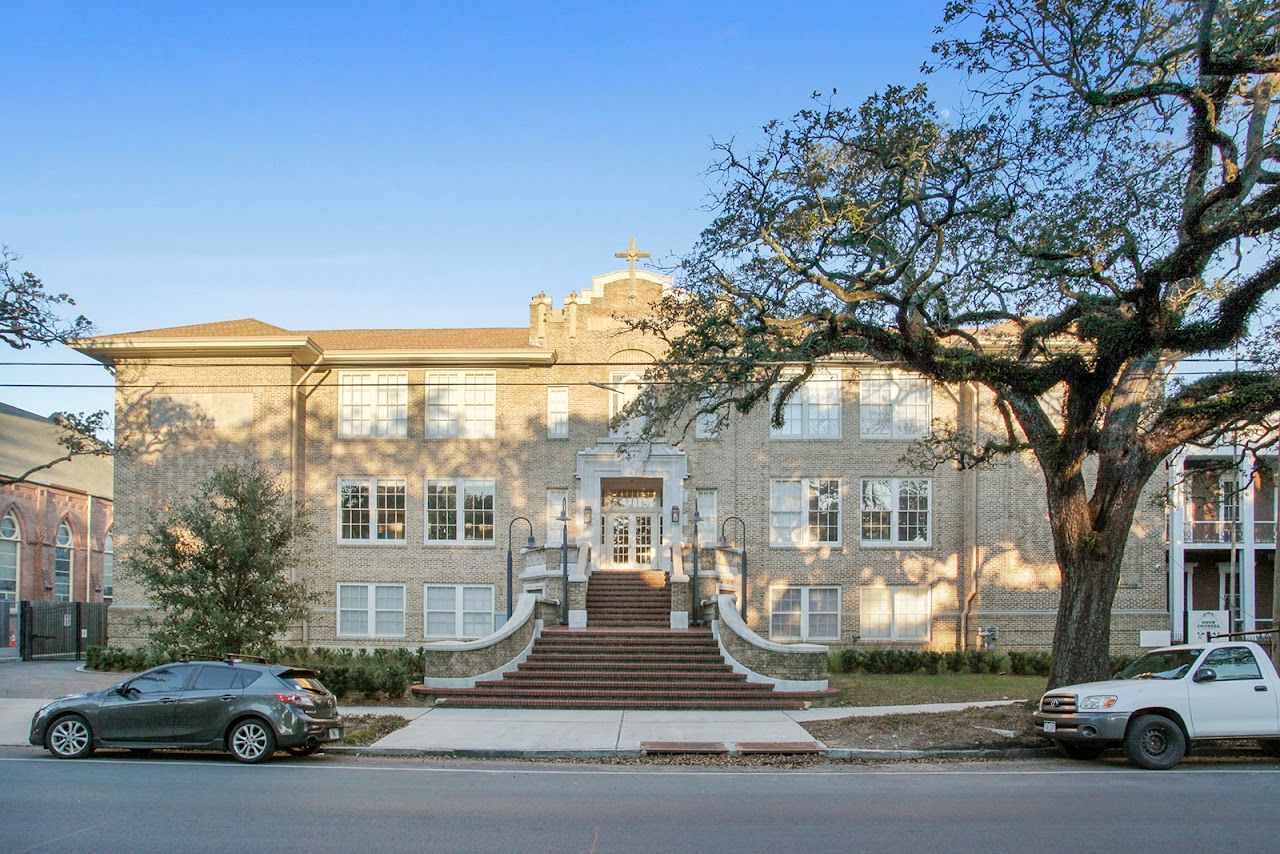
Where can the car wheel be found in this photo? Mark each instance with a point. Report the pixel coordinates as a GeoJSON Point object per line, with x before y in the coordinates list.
{"type": "Point", "coordinates": [70, 737]}
{"type": "Point", "coordinates": [1076, 750]}
{"type": "Point", "coordinates": [302, 749]}
{"type": "Point", "coordinates": [1155, 742]}
{"type": "Point", "coordinates": [251, 740]}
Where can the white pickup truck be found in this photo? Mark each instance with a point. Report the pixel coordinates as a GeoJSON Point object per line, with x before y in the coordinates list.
{"type": "Point", "coordinates": [1162, 702]}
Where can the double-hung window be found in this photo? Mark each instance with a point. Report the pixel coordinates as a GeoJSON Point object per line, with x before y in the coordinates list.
{"type": "Point", "coordinates": [804, 512]}
{"type": "Point", "coordinates": [896, 511]}
{"type": "Point", "coordinates": [371, 610]}
{"type": "Point", "coordinates": [371, 510]}
{"type": "Point", "coordinates": [707, 425]}
{"type": "Point", "coordinates": [804, 613]}
{"type": "Point", "coordinates": [893, 613]}
{"type": "Point", "coordinates": [558, 412]}
{"type": "Point", "coordinates": [625, 387]}
{"type": "Point", "coordinates": [373, 403]}
{"type": "Point", "coordinates": [458, 610]}
{"type": "Point", "coordinates": [708, 517]}
{"type": "Point", "coordinates": [557, 503]}
{"type": "Point", "coordinates": [459, 511]}
{"type": "Point", "coordinates": [10, 549]}
{"type": "Point", "coordinates": [108, 566]}
{"type": "Point", "coordinates": [62, 564]}
{"type": "Point", "coordinates": [814, 410]}
{"type": "Point", "coordinates": [894, 407]}
{"type": "Point", "coordinates": [461, 405]}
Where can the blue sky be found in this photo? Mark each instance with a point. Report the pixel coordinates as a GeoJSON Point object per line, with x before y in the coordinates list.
{"type": "Point", "coordinates": [391, 164]}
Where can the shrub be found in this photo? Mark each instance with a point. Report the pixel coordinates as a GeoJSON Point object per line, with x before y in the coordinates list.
{"type": "Point", "coordinates": [881, 660]}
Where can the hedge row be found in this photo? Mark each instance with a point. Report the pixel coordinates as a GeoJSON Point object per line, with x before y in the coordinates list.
{"type": "Point", "coordinates": [381, 674]}
{"type": "Point", "coordinates": [957, 661]}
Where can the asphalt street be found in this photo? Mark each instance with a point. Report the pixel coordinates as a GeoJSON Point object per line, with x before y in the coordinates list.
{"type": "Point", "coordinates": [196, 802]}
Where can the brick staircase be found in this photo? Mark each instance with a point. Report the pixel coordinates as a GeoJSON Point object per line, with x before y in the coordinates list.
{"type": "Point", "coordinates": [627, 658]}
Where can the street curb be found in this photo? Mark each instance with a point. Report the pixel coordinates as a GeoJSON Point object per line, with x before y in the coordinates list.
{"type": "Point", "coordinates": [839, 754]}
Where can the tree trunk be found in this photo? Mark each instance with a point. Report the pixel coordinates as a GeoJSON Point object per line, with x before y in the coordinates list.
{"type": "Point", "coordinates": [1082, 635]}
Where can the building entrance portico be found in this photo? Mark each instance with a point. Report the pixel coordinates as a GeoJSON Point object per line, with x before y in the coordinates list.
{"type": "Point", "coordinates": [632, 527]}
{"type": "Point", "coordinates": [629, 504]}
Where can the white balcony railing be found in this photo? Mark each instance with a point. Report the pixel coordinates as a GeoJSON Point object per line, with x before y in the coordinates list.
{"type": "Point", "coordinates": [1226, 532]}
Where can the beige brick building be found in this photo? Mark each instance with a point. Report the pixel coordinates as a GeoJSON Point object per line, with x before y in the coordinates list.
{"type": "Point", "coordinates": [420, 450]}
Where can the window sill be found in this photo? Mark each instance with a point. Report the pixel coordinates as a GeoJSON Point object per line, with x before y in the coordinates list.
{"type": "Point", "coordinates": [460, 544]}
{"type": "Point", "coordinates": [378, 544]}
{"type": "Point", "coordinates": [881, 544]}
{"type": "Point", "coordinates": [353, 438]}
{"type": "Point", "coordinates": [807, 548]}
{"type": "Point", "coordinates": [806, 438]}
{"type": "Point", "coordinates": [372, 637]}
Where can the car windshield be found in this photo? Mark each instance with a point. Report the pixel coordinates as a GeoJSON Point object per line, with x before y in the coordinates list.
{"type": "Point", "coordinates": [1161, 664]}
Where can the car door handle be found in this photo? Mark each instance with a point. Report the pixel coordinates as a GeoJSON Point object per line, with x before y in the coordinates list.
{"type": "Point", "coordinates": [227, 697]}
{"type": "Point", "coordinates": [167, 700]}
{"type": "Point", "coordinates": [1259, 687]}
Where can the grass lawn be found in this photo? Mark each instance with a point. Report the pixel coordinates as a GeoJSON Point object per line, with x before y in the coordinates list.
{"type": "Point", "coordinates": [865, 689]}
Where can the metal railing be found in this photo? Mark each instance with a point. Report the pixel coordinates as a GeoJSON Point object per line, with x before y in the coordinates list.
{"type": "Point", "coordinates": [1225, 532]}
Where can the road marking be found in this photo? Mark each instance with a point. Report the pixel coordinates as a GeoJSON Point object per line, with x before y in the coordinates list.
{"type": "Point", "coordinates": [638, 772]}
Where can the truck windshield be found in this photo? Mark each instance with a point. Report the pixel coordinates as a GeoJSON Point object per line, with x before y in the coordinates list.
{"type": "Point", "coordinates": [1161, 664]}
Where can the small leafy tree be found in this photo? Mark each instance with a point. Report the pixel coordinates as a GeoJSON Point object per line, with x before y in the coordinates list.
{"type": "Point", "coordinates": [218, 566]}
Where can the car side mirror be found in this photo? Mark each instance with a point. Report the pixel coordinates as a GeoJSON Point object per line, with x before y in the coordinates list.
{"type": "Point", "coordinates": [1205, 674]}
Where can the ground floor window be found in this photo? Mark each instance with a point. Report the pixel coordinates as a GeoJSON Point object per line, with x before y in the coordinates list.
{"type": "Point", "coordinates": [804, 613]}
{"type": "Point", "coordinates": [371, 610]}
{"type": "Point", "coordinates": [894, 613]}
{"type": "Point", "coordinates": [458, 610]}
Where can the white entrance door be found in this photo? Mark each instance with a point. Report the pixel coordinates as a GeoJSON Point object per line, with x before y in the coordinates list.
{"type": "Point", "coordinates": [629, 539]}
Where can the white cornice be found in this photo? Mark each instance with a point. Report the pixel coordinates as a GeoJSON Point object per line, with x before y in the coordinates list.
{"type": "Point", "coordinates": [439, 357]}
{"type": "Point", "coordinates": [112, 348]}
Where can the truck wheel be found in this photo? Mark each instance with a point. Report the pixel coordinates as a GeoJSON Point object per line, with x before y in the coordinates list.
{"type": "Point", "coordinates": [1076, 750]}
{"type": "Point", "coordinates": [1270, 746]}
{"type": "Point", "coordinates": [1154, 742]}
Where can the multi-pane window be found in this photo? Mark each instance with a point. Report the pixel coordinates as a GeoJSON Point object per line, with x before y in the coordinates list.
{"type": "Point", "coordinates": [108, 566]}
{"type": "Point", "coordinates": [707, 424]}
{"type": "Point", "coordinates": [893, 613]}
{"type": "Point", "coordinates": [814, 410]}
{"type": "Point", "coordinates": [461, 405]}
{"type": "Point", "coordinates": [804, 512]}
{"type": "Point", "coordinates": [371, 510]}
{"type": "Point", "coordinates": [371, 610]}
{"type": "Point", "coordinates": [895, 511]}
{"type": "Point", "coordinates": [894, 407]}
{"type": "Point", "coordinates": [62, 564]}
{"type": "Point", "coordinates": [804, 613]}
{"type": "Point", "coordinates": [709, 516]}
{"type": "Point", "coordinates": [459, 510]}
{"type": "Point", "coordinates": [10, 545]}
{"type": "Point", "coordinates": [373, 404]}
{"type": "Point", "coordinates": [458, 610]}
{"type": "Point", "coordinates": [557, 503]}
{"type": "Point", "coordinates": [558, 412]}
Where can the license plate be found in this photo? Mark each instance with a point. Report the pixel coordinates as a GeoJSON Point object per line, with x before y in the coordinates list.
{"type": "Point", "coordinates": [334, 733]}
{"type": "Point", "coordinates": [1050, 726]}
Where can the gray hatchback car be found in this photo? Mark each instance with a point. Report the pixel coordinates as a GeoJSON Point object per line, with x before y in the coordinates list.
{"type": "Point", "coordinates": [249, 710]}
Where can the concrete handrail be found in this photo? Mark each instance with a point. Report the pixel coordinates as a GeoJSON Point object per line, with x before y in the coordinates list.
{"type": "Point", "coordinates": [462, 663]}
{"type": "Point", "coordinates": [785, 666]}
{"type": "Point", "coordinates": [728, 614]}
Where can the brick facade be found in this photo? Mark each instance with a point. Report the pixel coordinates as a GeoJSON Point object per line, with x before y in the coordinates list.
{"type": "Point", "coordinates": [224, 392]}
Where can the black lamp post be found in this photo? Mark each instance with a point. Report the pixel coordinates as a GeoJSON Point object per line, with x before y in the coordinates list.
{"type": "Point", "coordinates": [563, 518]}
{"type": "Point", "coordinates": [742, 592]}
{"type": "Point", "coordinates": [509, 525]}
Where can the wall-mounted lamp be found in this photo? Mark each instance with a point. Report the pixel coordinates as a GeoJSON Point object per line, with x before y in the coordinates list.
{"type": "Point", "coordinates": [675, 515]}
{"type": "Point", "coordinates": [586, 515]}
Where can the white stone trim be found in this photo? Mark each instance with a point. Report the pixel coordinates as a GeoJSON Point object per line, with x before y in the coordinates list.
{"type": "Point", "coordinates": [728, 611]}
{"type": "Point", "coordinates": [523, 612]}
{"type": "Point", "coordinates": [679, 619]}
{"type": "Point", "coordinates": [781, 685]}
{"type": "Point", "coordinates": [596, 291]}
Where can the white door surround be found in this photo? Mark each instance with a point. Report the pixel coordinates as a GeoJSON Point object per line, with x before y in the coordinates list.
{"type": "Point", "coordinates": [613, 475]}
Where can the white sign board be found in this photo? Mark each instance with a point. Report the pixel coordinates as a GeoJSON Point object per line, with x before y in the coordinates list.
{"type": "Point", "coordinates": [1148, 638]}
{"type": "Point", "coordinates": [1200, 624]}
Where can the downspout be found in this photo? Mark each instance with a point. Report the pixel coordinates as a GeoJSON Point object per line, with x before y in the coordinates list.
{"type": "Point", "coordinates": [971, 524]}
{"type": "Point", "coordinates": [294, 405]}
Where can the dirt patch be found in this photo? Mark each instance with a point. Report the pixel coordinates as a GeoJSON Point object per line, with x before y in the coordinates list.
{"type": "Point", "coordinates": [994, 727]}
{"type": "Point", "coordinates": [364, 730]}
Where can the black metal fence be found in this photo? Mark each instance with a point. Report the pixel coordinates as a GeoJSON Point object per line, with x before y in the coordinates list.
{"type": "Point", "coordinates": [60, 630]}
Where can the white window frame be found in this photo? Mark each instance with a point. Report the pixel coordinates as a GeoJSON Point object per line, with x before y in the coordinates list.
{"type": "Point", "coordinates": [64, 553]}
{"type": "Point", "coordinates": [371, 610]}
{"type": "Point", "coordinates": [384, 414]}
{"type": "Point", "coordinates": [459, 613]}
{"type": "Point", "coordinates": [557, 499]}
{"type": "Point", "coordinates": [707, 505]}
{"type": "Point", "coordinates": [776, 592]}
{"type": "Point", "coordinates": [887, 408]}
{"type": "Point", "coordinates": [558, 412]}
{"type": "Point", "coordinates": [805, 541]}
{"type": "Point", "coordinates": [372, 484]}
{"type": "Point", "coordinates": [706, 425]}
{"type": "Point", "coordinates": [618, 401]}
{"type": "Point", "coordinates": [16, 541]}
{"type": "Point", "coordinates": [461, 486]}
{"type": "Point", "coordinates": [815, 412]}
{"type": "Point", "coordinates": [895, 510]}
{"type": "Point", "coordinates": [896, 596]}
{"type": "Point", "coordinates": [108, 565]}
{"type": "Point", "coordinates": [461, 405]}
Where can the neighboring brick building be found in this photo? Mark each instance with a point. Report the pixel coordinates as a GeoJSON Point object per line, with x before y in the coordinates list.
{"type": "Point", "coordinates": [56, 526]}
{"type": "Point", "coordinates": [418, 448]}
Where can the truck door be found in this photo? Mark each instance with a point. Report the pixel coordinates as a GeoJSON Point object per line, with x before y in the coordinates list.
{"type": "Point", "coordinates": [1238, 702]}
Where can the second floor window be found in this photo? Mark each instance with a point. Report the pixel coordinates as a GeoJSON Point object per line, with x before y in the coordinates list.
{"type": "Point", "coordinates": [371, 510]}
{"type": "Point", "coordinates": [373, 404]}
{"type": "Point", "coordinates": [558, 412]}
{"type": "Point", "coordinates": [894, 407]}
{"type": "Point", "coordinates": [895, 511]}
{"type": "Point", "coordinates": [10, 545]}
{"type": "Point", "coordinates": [804, 512]}
{"type": "Point", "coordinates": [461, 405]}
{"type": "Point", "coordinates": [62, 565]}
{"type": "Point", "coordinates": [460, 511]}
{"type": "Point", "coordinates": [814, 411]}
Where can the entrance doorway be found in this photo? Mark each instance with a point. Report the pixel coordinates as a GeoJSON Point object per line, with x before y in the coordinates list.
{"type": "Point", "coordinates": [632, 528]}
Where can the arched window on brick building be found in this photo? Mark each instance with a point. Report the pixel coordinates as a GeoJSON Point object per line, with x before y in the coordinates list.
{"type": "Point", "coordinates": [10, 552]}
{"type": "Point", "coordinates": [62, 565]}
